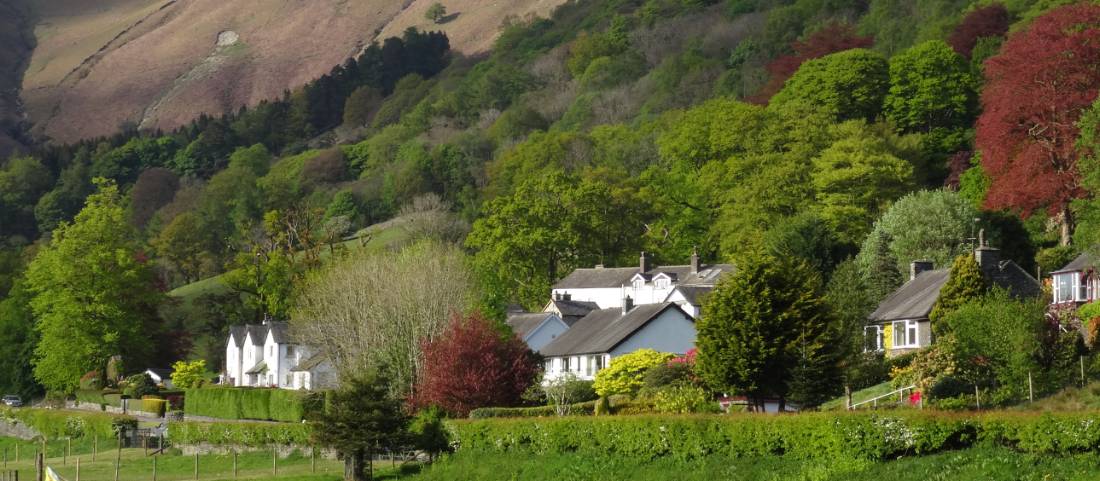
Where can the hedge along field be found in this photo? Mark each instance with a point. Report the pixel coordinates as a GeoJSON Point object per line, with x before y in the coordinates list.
{"type": "Point", "coordinates": [59, 423]}
{"type": "Point", "coordinates": [247, 403]}
{"type": "Point", "coordinates": [241, 433]}
{"type": "Point", "coordinates": [871, 437]}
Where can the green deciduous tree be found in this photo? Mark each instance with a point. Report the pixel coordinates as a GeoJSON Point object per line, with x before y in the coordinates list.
{"type": "Point", "coordinates": [928, 225]}
{"type": "Point", "coordinates": [95, 295]}
{"type": "Point", "coordinates": [852, 83]}
{"type": "Point", "coordinates": [855, 179]}
{"type": "Point", "coordinates": [765, 331]}
{"type": "Point", "coordinates": [360, 420]}
{"type": "Point", "coordinates": [435, 12]}
{"type": "Point", "coordinates": [931, 87]}
{"type": "Point", "coordinates": [548, 227]}
{"type": "Point", "coordinates": [17, 341]}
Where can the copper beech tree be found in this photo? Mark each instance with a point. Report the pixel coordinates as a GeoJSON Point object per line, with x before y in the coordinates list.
{"type": "Point", "coordinates": [1036, 89]}
{"type": "Point", "coordinates": [473, 365]}
{"type": "Point", "coordinates": [834, 37]}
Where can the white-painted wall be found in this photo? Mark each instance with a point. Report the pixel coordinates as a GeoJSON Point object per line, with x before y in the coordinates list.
{"type": "Point", "coordinates": [607, 298]}
{"type": "Point", "coordinates": [549, 330]}
{"type": "Point", "coordinates": [584, 367]}
{"type": "Point", "coordinates": [690, 309]}
{"type": "Point", "coordinates": [232, 362]}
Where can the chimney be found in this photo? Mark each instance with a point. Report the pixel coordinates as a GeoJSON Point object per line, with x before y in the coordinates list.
{"type": "Point", "coordinates": [988, 258]}
{"type": "Point", "coordinates": [644, 264]}
{"type": "Point", "coordinates": [628, 304]}
{"type": "Point", "coordinates": [567, 296]}
{"type": "Point", "coordinates": [694, 260]}
{"type": "Point", "coordinates": [916, 267]}
{"type": "Point", "coordinates": [557, 296]}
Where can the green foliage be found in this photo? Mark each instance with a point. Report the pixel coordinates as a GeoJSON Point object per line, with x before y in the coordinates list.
{"type": "Point", "coordinates": [360, 419]}
{"type": "Point", "coordinates": [17, 341]}
{"type": "Point", "coordinates": [964, 284]}
{"type": "Point", "coordinates": [154, 406]}
{"type": "Point", "coordinates": [139, 386]}
{"type": "Point", "coordinates": [240, 433]}
{"type": "Point", "coordinates": [925, 225]}
{"type": "Point", "coordinates": [852, 83]}
{"type": "Point", "coordinates": [766, 331]}
{"type": "Point", "coordinates": [244, 403]}
{"type": "Point", "coordinates": [856, 178]}
{"type": "Point", "coordinates": [683, 399]}
{"type": "Point", "coordinates": [589, 47]}
{"type": "Point", "coordinates": [436, 12]}
{"type": "Point", "coordinates": [576, 409]}
{"type": "Point", "coordinates": [189, 375]}
{"type": "Point", "coordinates": [851, 300]}
{"type": "Point", "coordinates": [667, 374]}
{"type": "Point", "coordinates": [626, 373]}
{"type": "Point", "coordinates": [931, 87]}
{"type": "Point", "coordinates": [1054, 258]}
{"type": "Point", "coordinates": [428, 432]}
{"type": "Point", "coordinates": [816, 436]}
{"type": "Point", "coordinates": [57, 424]}
{"type": "Point", "coordinates": [94, 295]}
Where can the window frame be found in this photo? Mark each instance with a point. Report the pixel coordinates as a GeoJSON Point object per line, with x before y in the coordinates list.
{"type": "Point", "coordinates": [902, 328]}
{"type": "Point", "coordinates": [879, 337]}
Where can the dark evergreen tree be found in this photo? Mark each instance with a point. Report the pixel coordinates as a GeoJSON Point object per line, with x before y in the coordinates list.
{"type": "Point", "coordinates": [360, 420]}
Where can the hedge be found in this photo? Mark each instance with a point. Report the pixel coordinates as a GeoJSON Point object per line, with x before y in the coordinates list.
{"type": "Point", "coordinates": [247, 403]}
{"type": "Point", "coordinates": [96, 396]}
{"type": "Point", "coordinates": [57, 423]}
{"type": "Point", "coordinates": [812, 435]}
{"type": "Point", "coordinates": [242, 433]}
{"type": "Point", "coordinates": [578, 409]}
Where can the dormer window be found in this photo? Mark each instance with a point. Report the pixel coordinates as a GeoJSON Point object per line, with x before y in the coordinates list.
{"type": "Point", "coordinates": [638, 283]}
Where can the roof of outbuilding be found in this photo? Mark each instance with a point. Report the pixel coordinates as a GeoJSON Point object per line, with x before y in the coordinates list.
{"type": "Point", "coordinates": [571, 311]}
{"type": "Point", "coordinates": [603, 329]}
{"type": "Point", "coordinates": [693, 294]}
{"type": "Point", "coordinates": [1011, 276]}
{"type": "Point", "coordinates": [1079, 263]}
{"type": "Point", "coordinates": [523, 323]}
{"type": "Point", "coordinates": [610, 277]}
{"type": "Point", "coordinates": [914, 299]}
{"type": "Point", "coordinates": [313, 361]}
{"type": "Point", "coordinates": [258, 369]}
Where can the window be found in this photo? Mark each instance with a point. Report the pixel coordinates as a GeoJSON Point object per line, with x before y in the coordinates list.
{"type": "Point", "coordinates": [549, 365]}
{"type": "Point", "coordinates": [638, 283]}
{"type": "Point", "coordinates": [873, 338]}
{"type": "Point", "coordinates": [661, 283]}
{"type": "Point", "coordinates": [905, 334]}
{"type": "Point", "coordinates": [289, 380]}
{"type": "Point", "coordinates": [1082, 289]}
{"type": "Point", "coordinates": [290, 351]}
{"type": "Point", "coordinates": [568, 364]}
{"type": "Point", "coordinates": [1063, 287]}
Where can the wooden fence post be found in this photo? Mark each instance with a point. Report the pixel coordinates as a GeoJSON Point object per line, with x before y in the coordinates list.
{"type": "Point", "coordinates": [234, 464]}
{"type": "Point", "coordinates": [116, 469]}
{"type": "Point", "coordinates": [154, 468]}
{"type": "Point", "coordinates": [78, 469]}
{"type": "Point", "coordinates": [68, 448]}
{"type": "Point", "coordinates": [40, 467]}
{"type": "Point", "coordinates": [274, 461]}
{"type": "Point", "coordinates": [313, 459]}
{"type": "Point", "coordinates": [1082, 359]}
{"type": "Point", "coordinates": [95, 446]}
{"type": "Point", "coordinates": [196, 465]}
{"type": "Point", "coordinates": [1030, 388]}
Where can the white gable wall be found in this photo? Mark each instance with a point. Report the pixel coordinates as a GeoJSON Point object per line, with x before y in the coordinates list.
{"type": "Point", "coordinates": [678, 298]}
{"type": "Point", "coordinates": [232, 363]}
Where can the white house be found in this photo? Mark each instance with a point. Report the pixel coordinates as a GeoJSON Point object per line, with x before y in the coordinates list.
{"type": "Point", "coordinates": [161, 377]}
{"type": "Point", "coordinates": [537, 329]}
{"type": "Point", "coordinates": [1076, 283]}
{"type": "Point", "coordinates": [266, 355]}
{"type": "Point", "coordinates": [604, 334]}
{"type": "Point", "coordinates": [645, 284]}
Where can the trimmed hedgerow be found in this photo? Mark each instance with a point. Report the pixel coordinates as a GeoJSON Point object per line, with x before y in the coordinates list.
{"type": "Point", "coordinates": [578, 409]}
{"type": "Point", "coordinates": [242, 433]}
{"type": "Point", "coordinates": [59, 423]}
{"type": "Point", "coordinates": [247, 403]}
{"type": "Point", "coordinates": [854, 435]}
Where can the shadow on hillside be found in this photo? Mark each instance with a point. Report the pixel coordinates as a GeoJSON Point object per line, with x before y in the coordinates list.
{"type": "Point", "coordinates": [448, 18]}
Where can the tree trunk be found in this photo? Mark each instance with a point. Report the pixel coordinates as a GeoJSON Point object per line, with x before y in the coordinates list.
{"type": "Point", "coordinates": [1068, 224]}
{"type": "Point", "coordinates": [353, 466]}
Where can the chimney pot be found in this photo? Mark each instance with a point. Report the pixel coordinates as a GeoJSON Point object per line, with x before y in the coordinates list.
{"type": "Point", "coordinates": [694, 260]}
{"type": "Point", "coordinates": [916, 267]}
{"type": "Point", "coordinates": [643, 263]}
{"type": "Point", "coordinates": [628, 304]}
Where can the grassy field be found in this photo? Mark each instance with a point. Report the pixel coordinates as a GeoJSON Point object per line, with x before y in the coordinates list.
{"type": "Point", "coordinates": [135, 465]}
{"type": "Point", "coordinates": [972, 464]}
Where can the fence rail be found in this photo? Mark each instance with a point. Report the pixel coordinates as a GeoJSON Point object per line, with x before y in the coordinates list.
{"type": "Point", "coordinates": [898, 393]}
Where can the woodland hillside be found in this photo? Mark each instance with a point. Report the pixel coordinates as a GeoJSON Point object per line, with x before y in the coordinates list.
{"type": "Point", "coordinates": [853, 135]}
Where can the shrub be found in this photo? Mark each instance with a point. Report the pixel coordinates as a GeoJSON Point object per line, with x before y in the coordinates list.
{"type": "Point", "coordinates": [189, 375]}
{"type": "Point", "coordinates": [580, 409]}
{"type": "Point", "coordinates": [667, 374]}
{"type": "Point", "coordinates": [154, 405]}
{"type": "Point", "coordinates": [91, 381]}
{"type": "Point", "coordinates": [56, 424]}
{"type": "Point", "coordinates": [140, 385]}
{"type": "Point", "coordinates": [679, 399]}
{"type": "Point", "coordinates": [624, 375]}
{"type": "Point", "coordinates": [247, 403]}
{"type": "Point", "coordinates": [428, 432]}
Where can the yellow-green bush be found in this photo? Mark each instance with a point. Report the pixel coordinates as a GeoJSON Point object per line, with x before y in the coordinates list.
{"type": "Point", "coordinates": [626, 373]}
{"type": "Point", "coordinates": [153, 405]}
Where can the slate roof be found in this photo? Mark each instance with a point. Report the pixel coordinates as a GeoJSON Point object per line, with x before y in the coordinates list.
{"type": "Point", "coordinates": [258, 333]}
{"type": "Point", "coordinates": [1082, 262]}
{"type": "Point", "coordinates": [1011, 276]}
{"type": "Point", "coordinates": [313, 361]}
{"type": "Point", "coordinates": [281, 332]}
{"type": "Point", "coordinates": [610, 277]}
{"type": "Point", "coordinates": [914, 299]}
{"type": "Point", "coordinates": [523, 323]}
{"type": "Point", "coordinates": [693, 294]}
{"type": "Point", "coordinates": [603, 329]}
{"type": "Point", "coordinates": [258, 369]}
{"type": "Point", "coordinates": [238, 333]}
{"type": "Point", "coordinates": [576, 309]}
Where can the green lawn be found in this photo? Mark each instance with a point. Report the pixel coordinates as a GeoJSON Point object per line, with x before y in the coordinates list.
{"type": "Point", "coordinates": [971, 464]}
{"type": "Point", "coordinates": [135, 465]}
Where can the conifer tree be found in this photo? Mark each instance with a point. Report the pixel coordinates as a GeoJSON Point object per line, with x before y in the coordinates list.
{"type": "Point", "coordinates": [964, 284]}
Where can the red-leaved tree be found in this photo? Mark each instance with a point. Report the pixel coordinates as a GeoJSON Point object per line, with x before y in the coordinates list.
{"type": "Point", "coordinates": [834, 37]}
{"type": "Point", "coordinates": [989, 21]}
{"type": "Point", "coordinates": [472, 365]}
{"type": "Point", "coordinates": [1036, 89]}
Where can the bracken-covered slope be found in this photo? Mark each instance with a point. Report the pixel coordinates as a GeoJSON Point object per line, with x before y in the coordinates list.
{"type": "Point", "coordinates": [160, 63]}
{"type": "Point", "coordinates": [15, 49]}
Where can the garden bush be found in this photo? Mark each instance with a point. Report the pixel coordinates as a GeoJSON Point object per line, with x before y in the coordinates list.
{"type": "Point", "coordinates": [245, 434]}
{"type": "Point", "coordinates": [868, 436]}
{"type": "Point", "coordinates": [577, 409]}
{"type": "Point", "coordinates": [154, 405]}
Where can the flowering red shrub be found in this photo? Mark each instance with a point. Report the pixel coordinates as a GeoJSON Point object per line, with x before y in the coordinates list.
{"type": "Point", "coordinates": [472, 365]}
{"type": "Point", "coordinates": [989, 21]}
{"type": "Point", "coordinates": [833, 38]}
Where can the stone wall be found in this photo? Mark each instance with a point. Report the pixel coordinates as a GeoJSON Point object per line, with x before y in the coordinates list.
{"type": "Point", "coordinates": [222, 449]}
{"type": "Point", "coordinates": [16, 429]}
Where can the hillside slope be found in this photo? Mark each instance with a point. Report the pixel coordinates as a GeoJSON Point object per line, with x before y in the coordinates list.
{"type": "Point", "coordinates": [160, 63]}
{"type": "Point", "coordinates": [14, 36]}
